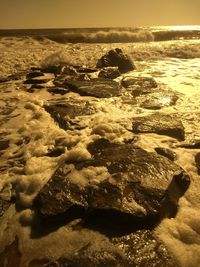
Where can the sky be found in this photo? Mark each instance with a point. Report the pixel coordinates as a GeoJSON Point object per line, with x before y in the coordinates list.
{"type": "Point", "coordinates": [23, 14]}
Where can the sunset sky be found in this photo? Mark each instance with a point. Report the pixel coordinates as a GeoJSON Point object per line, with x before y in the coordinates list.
{"type": "Point", "coordinates": [93, 13]}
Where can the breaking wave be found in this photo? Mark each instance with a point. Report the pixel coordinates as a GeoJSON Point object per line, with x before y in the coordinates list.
{"type": "Point", "coordinates": [113, 36]}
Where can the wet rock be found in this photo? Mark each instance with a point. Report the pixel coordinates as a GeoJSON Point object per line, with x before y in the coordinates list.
{"type": "Point", "coordinates": [143, 248]}
{"type": "Point", "coordinates": [58, 90]}
{"type": "Point", "coordinates": [83, 69]}
{"type": "Point", "coordinates": [109, 73]}
{"type": "Point", "coordinates": [116, 58]}
{"type": "Point", "coordinates": [119, 179]}
{"type": "Point", "coordinates": [4, 144]}
{"type": "Point", "coordinates": [34, 74]}
{"type": "Point", "coordinates": [160, 124]}
{"type": "Point", "coordinates": [158, 100]}
{"type": "Point", "coordinates": [39, 79]}
{"type": "Point", "coordinates": [138, 249]}
{"type": "Point", "coordinates": [101, 88]}
{"type": "Point", "coordinates": [140, 82]}
{"type": "Point", "coordinates": [62, 80]}
{"type": "Point", "coordinates": [197, 161]}
{"type": "Point", "coordinates": [166, 153]}
{"type": "Point", "coordinates": [192, 144]}
{"type": "Point", "coordinates": [91, 250]}
{"type": "Point", "coordinates": [56, 152]}
{"type": "Point", "coordinates": [60, 69]}
{"type": "Point", "coordinates": [64, 112]}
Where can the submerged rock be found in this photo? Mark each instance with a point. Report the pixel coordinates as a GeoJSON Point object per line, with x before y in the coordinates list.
{"type": "Point", "coordinates": [157, 100]}
{"type": "Point", "coordinates": [160, 124]}
{"type": "Point", "coordinates": [119, 179]}
{"type": "Point", "coordinates": [116, 57]}
{"type": "Point", "coordinates": [64, 112]}
{"type": "Point", "coordinates": [166, 153]}
{"type": "Point", "coordinates": [101, 88]}
{"type": "Point", "coordinates": [139, 82]}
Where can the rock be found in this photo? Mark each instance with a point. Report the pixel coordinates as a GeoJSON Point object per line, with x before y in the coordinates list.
{"type": "Point", "coordinates": [34, 74]}
{"type": "Point", "coordinates": [192, 144]}
{"type": "Point", "coordinates": [116, 57]}
{"type": "Point", "coordinates": [58, 90]}
{"type": "Point", "coordinates": [109, 73]}
{"type": "Point", "coordinates": [83, 69]}
{"type": "Point", "coordinates": [121, 182]}
{"type": "Point", "coordinates": [141, 82]}
{"type": "Point", "coordinates": [56, 152]}
{"type": "Point", "coordinates": [4, 144]}
{"type": "Point", "coordinates": [39, 80]}
{"type": "Point", "coordinates": [158, 100]}
{"type": "Point", "coordinates": [143, 249]}
{"type": "Point", "coordinates": [91, 250]}
{"type": "Point", "coordinates": [62, 80]}
{"type": "Point", "coordinates": [160, 124]}
{"type": "Point", "coordinates": [101, 88]}
{"type": "Point", "coordinates": [60, 69]}
{"type": "Point", "coordinates": [94, 250]}
{"type": "Point", "coordinates": [64, 112]}
{"type": "Point", "coordinates": [197, 161]}
{"type": "Point", "coordinates": [166, 153]}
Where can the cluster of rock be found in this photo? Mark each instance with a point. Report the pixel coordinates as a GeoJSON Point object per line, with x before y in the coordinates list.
{"type": "Point", "coordinates": [123, 191]}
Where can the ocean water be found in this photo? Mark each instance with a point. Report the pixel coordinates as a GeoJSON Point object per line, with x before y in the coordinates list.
{"type": "Point", "coordinates": [171, 55]}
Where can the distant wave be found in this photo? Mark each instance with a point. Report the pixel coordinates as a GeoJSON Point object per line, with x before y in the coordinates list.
{"type": "Point", "coordinates": [112, 36]}
{"type": "Point", "coordinates": [109, 35]}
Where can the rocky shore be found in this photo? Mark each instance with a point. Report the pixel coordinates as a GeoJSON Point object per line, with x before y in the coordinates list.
{"type": "Point", "coordinates": [106, 195]}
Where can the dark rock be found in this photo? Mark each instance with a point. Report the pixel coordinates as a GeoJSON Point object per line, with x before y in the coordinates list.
{"type": "Point", "coordinates": [116, 58]}
{"type": "Point", "coordinates": [197, 161]}
{"type": "Point", "coordinates": [158, 100]}
{"type": "Point", "coordinates": [58, 90]}
{"type": "Point", "coordinates": [118, 179]}
{"type": "Point", "coordinates": [3, 79]}
{"type": "Point", "coordinates": [192, 144]}
{"type": "Point", "coordinates": [56, 152]}
{"type": "Point", "coordinates": [60, 69]}
{"type": "Point", "coordinates": [160, 124]}
{"type": "Point", "coordinates": [141, 82]}
{"type": "Point", "coordinates": [38, 80]}
{"type": "Point", "coordinates": [109, 73]}
{"type": "Point", "coordinates": [166, 153]}
{"type": "Point", "coordinates": [62, 80]}
{"type": "Point", "coordinates": [52, 69]}
{"type": "Point", "coordinates": [101, 88]}
{"type": "Point", "coordinates": [4, 144]}
{"type": "Point", "coordinates": [143, 249]}
{"type": "Point", "coordinates": [64, 112]}
{"type": "Point", "coordinates": [34, 74]}
{"type": "Point", "coordinates": [82, 69]}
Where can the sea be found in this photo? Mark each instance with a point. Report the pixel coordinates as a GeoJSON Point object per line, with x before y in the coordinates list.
{"type": "Point", "coordinates": [169, 54]}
